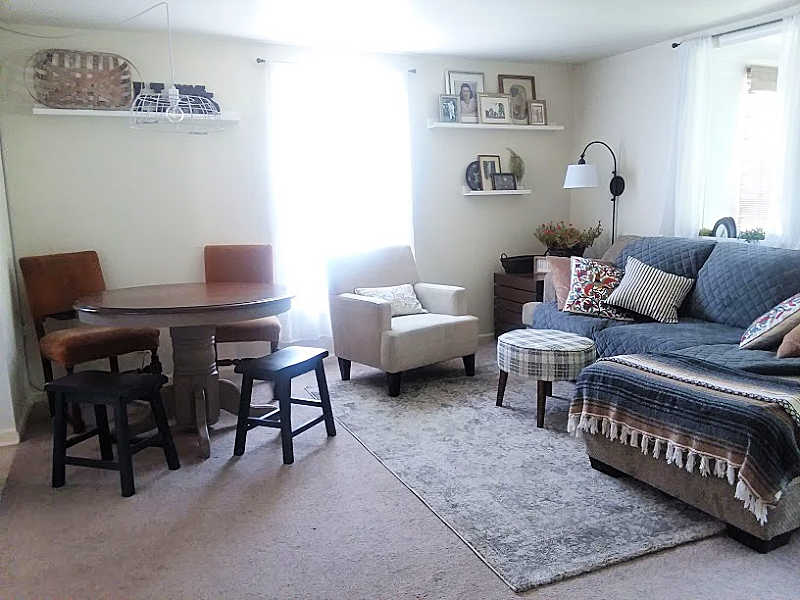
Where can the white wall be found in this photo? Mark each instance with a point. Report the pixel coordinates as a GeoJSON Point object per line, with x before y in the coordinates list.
{"type": "Point", "coordinates": [629, 102]}
{"type": "Point", "coordinates": [148, 202]}
{"type": "Point", "coordinates": [12, 405]}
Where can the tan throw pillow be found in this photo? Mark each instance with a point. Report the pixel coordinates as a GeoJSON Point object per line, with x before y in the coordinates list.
{"type": "Point", "coordinates": [560, 270]}
{"type": "Point", "coordinates": [790, 346]}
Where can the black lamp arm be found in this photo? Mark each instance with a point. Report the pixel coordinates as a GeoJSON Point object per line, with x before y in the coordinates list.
{"type": "Point", "coordinates": [614, 156]}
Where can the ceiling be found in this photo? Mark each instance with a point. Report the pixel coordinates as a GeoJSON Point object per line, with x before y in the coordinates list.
{"type": "Point", "coordinates": [551, 30]}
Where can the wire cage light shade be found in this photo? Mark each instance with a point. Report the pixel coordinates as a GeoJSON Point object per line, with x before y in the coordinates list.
{"type": "Point", "coordinates": [171, 111]}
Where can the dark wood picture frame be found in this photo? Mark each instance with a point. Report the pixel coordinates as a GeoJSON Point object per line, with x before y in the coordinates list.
{"type": "Point", "coordinates": [503, 180]}
{"type": "Point", "coordinates": [503, 88]}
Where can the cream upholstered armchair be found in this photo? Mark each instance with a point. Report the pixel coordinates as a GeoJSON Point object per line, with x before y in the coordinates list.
{"type": "Point", "coordinates": [364, 330]}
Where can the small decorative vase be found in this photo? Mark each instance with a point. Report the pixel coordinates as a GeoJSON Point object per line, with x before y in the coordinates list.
{"type": "Point", "coordinates": [571, 251]}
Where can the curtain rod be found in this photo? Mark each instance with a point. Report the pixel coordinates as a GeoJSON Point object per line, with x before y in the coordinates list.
{"type": "Point", "coordinates": [737, 30]}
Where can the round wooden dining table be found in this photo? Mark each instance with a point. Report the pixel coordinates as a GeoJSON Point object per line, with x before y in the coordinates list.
{"type": "Point", "coordinates": [191, 311]}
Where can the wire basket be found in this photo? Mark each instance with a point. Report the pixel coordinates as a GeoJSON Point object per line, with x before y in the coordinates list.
{"type": "Point", "coordinates": [175, 112]}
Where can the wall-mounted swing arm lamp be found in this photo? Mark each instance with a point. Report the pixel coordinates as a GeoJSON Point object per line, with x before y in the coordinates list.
{"type": "Point", "coordinates": [583, 175]}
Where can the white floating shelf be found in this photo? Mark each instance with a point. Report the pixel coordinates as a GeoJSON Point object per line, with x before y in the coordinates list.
{"type": "Point", "coordinates": [469, 192]}
{"type": "Point", "coordinates": [433, 124]}
{"type": "Point", "coordinates": [226, 116]}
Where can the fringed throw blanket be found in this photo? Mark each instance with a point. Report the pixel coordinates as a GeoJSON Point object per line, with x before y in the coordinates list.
{"type": "Point", "coordinates": [707, 419]}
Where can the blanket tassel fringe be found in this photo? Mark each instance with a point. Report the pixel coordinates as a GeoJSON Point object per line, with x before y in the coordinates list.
{"type": "Point", "coordinates": [683, 458]}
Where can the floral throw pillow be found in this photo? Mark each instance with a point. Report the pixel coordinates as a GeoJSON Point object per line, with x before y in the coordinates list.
{"type": "Point", "coordinates": [402, 297]}
{"type": "Point", "coordinates": [767, 331]}
{"type": "Point", "coordinates": [591, 282]}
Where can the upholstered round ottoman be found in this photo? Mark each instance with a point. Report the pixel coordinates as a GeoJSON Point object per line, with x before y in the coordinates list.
{"type": "Point", "coordinates": [544, 354]}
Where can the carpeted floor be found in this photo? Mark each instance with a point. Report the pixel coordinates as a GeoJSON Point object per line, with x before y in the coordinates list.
{"type": "Point", "coordinates": [336, 524]}
{"type": "Point", "coordinates": [525, 499]}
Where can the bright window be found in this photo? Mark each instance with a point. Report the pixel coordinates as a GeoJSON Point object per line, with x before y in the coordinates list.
{"type": "Point", "coordinates": [340, 174]}
{"type": "Point", "coordinates": [757, 138]}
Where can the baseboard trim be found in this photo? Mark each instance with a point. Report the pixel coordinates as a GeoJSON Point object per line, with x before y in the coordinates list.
{"type": "Point", "coordinates": [9, 437]}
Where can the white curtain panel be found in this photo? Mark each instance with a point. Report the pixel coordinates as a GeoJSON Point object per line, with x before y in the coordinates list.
{"type": "Point", "coordinates": [692, 144]}
{"type": "Point", "coordinates": [340, 174]}
{"type": "Point", "coordinates": [784, 228]}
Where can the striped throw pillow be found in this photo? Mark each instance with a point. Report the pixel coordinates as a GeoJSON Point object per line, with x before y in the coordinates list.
{"type": "Point", "coordinates": [650, 292]}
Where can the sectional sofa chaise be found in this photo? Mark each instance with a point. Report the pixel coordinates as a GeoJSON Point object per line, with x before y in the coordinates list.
{"type": "Point", "coordinates": [735, 284]}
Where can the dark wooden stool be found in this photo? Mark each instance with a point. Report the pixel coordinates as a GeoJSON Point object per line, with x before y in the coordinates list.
{"type": "Point", "coordinates": [109, 389]}
{"type": "Point", "coordinates": [280, 368]}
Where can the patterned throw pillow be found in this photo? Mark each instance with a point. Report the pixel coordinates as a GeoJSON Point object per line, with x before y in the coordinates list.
{"type": "Point", "coordinates": [590, 284]}
{"type": "Point", "coordinates": [650, 292]}
{"type": "Point", "coordinates": [768, 330]}
{"type": "Point", "coordinates": [403, 298]}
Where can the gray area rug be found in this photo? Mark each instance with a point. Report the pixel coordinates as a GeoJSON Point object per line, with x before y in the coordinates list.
{"type": "Point", "coordinates": [524, 499]}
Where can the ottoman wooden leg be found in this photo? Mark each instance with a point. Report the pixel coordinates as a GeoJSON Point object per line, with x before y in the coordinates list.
{"type": "Point", "coordinates": [501, 387]}
{"type": "Point", "coordinates": [542, 390]}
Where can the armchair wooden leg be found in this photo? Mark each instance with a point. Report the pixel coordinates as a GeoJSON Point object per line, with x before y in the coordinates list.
{"type": "Point", "coordinates": [469, 364]}
{"type": "Point", "coordinates": [344, 368]}
{"type": "Point", "coordinates": [394, 383]}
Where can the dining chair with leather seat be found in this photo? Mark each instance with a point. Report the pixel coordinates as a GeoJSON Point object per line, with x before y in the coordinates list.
{"type": "Point", "coordinates": [250, 263]}
{"type": "Point", "coordinates": [53, 282]}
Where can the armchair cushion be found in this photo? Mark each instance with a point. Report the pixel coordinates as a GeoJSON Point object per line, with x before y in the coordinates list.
{"type": "Point", "coordinates": [357, 323]}
{"type": "Point", "coordinates": [402, 298]}
{"type": "Point", "coordinates": [442, 299]}
{"type": "Point", "coordinates": [417, 340]}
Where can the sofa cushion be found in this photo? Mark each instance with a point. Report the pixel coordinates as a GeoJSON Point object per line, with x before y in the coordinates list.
{"type": "Point", "coordinates": [679, 256]}
{"type": "Point", "coordinates": [641, 338]}
{"type": "Point", "coordinates": [547, 316]}
{"type": "Point", "coordinates": [740, 282]}
{"type": "Point", "coordinates": [418, 340]}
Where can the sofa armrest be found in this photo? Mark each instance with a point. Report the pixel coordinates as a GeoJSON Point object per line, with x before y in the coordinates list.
{"type": "Point", "coordinates": [442, 299]}
{"type": "Point", "coordinates": [527, 312]}
{"type": "Point", "coordinates": [357, 323]}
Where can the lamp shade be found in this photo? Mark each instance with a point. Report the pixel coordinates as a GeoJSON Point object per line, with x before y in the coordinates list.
{"type": "Point", "coordinates": [581, 176]}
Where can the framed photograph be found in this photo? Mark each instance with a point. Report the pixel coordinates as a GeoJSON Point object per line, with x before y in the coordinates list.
{"type": "Point", "coordinates": [494, 108]}
{"type": "Point", "coordinates": [466, 85]}
{"type": "Point", "coordinates": [448, 108]}
{"type": "Point", "coordinates": [489, 164]}
{"type": "Point", "coordinates": [537, 110]}
{"type": "Point", "coordinates": [504, 181]}
{"type": "Point", "coordinates": [522, 89]}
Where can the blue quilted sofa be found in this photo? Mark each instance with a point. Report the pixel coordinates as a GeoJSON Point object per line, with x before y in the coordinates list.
{"type": "Point", "coordinates": [734, 284]}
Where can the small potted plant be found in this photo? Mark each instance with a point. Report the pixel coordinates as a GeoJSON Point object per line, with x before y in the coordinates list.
{"type": "Point", "coordinates": [752, 236]}
{"type": "Point", "coordinates": [565, 239]}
